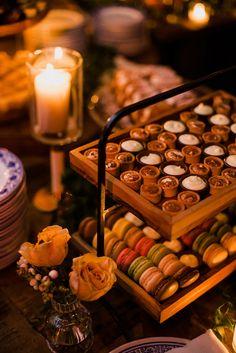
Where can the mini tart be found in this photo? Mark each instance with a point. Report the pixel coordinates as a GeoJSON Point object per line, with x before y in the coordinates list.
{"type": "Point", "coordinates": [214, 163]}
{"type": "Point", "coordinates": [132, 179]}
{"type": "Point", "coordinates": [174, 168]}
{"type": "Point", "coordinates": [192, 154]}
{"type": "Point", "coordinates": [209, 137]}
{"type": "Point", "coordinates": [222, 131]}
{"type": "Point", "coordinates": [153, 130]}
{"type": "Point", "coordinates": [169, 185]}
{"type": "Point", "coordinates": [216, 150]}
{"type": "Point", "coordinates": [131, 145]}
{"type": "Point", "coordinates": [149, 158]}
{"type": "Point", "coordinates": [214, 255]}
{"type": "Point", "coordinates": [152, 192]}
{"type": "Point", "coordinates": [92, 154]}
{"type": "Point", "coordinates": [172, 207]}
{"type": "Point", "coordinates": [232, 148]}
{"type": "Point", "coordinates": [196, 126]}
{"type": "Point", "coordinates": [233, 117]}
{"type": "Point", "coordinates": [188, 140]}
{"type": "Point", "coordinates": [203, 110]}
{"type": "Point", "coordinates": [233, 127]}
{"type": "Point", "coordinates": [187, 115]}
{"type": "Point", "coordinates": [149, 174]}
{"type": "Point", "coordinates": [174, 126]}
{"type": "Point", "coordinates": [169, 138]}
{"type": "Point", "coordinates": [139, 133]}
{"type": "Point", "coordinates": [199, 169]}
{"type": "Point", "coordinates": [113, 167]}
{"type": "Point", "coordinates": [194, 183]}
{"type": "Point", "coordinates": [219, 119]}
{"type": "Point", "coordinates": [188, 198]}
{"type": "Point", "coordinates": [112, 149]}
{"type": "Point", "coordinates": [156, 146]}
{"type": "Point", "coordinates": [230, 161]}
{"type": "Point", "coordinates": [219, 100]}
{"type": "Point", "coordinates": [230, 174]}
{"type": "Point", "coordinates": [174, 155]}
{"type": "Point", "coordinates": [217, 183]}
{"type": "Point", "coordinates": [126, 160]}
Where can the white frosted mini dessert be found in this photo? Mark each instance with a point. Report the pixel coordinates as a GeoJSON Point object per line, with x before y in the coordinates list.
{"type": "Point", "coordinates": [219, 119]}
{"type": "Point", "coordinates": [194, 182]}
{"type": "Point", "coordinates": [132, 146]}
{"type": "Point", "coordinates": [173, 169]}
{"type": "Point", "coordinates": [231, 160]}
{"type": "Point", "coordinates": [151, 159]}
{"type": "Point", "coordinates": [174, 126]}
{"type": "Point", "coordinates": [214, 150]}
{"type": "Point", "coordinates": [203, 109]}
{"type": "Point", "coordinates": [189, 139]}
{"type": "Point", "coordinates": [233, 128]}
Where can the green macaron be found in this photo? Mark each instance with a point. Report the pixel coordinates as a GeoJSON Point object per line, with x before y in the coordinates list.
{"type": "Point", "coordinates": [222, 230]}
{"type": "Point", "coordinates": [159, 254]}
{"type": "Point", "coordinates": [138, 266]}
{"type": "Point", "coordinates": [207, 241]}
{"type": "Point", "coordinates": [214, 228]}
{"type": "Point", "coordinates": [198, 240]}
{"type": "Point", "coordinates": [153, 249]}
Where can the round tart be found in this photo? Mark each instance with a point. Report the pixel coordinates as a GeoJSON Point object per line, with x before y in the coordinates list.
{"type": "Point", "coordinates": [174, 126]}
{"type": "Point", "coordinates": [232, 148]}
{"type": "Point", "coordinates": [216, 150]}
{"type": "Point", "coordinates": [203, 110]}
{"type": "Point", "coordinates": [126, 160]}
{"type": "Point", "coordinates": [194, 183]}
{"type": "Point", "coordinates": [233, 117]}
{"type": "Point", "coordinates": [169, 138]}
{"type": "Point", "coordinates": [151, 192]}
{"type": "Point", "coordinates": [230, 174]}
{"type": "Point", "coordinates": [149, 174]}
{"type": "Point", "coordinates": [132, 145]}
{"type": "Point", "coordinates": [188, 198]}
{"type": "Point", "coordinates": [156, 146]}
{"type": "Point", "coordinates": [217, 183]}
{"type": "Point", "coordinates": [230, 161]}
{"type": "Point", "coordinates": [169, 185]}
{"type": "Point", "coordinates": [188, 140]}
{"type": "Point", "coordinates": [209, 137]}
{"type": "Point", "coordinates": [219, 119]}
{"type": "Point", "coordinates": [174, 155]}
{"type": "Point", "coordinates": [174, 168]}
{"type": "Point", "coordinates": [222, 131]}
{"type": "Point", "coordinates": [113, 167]}
{"type": "Point", "coordinates": [139, 133]}
{"type": "Point", "coordinates": [132, 179]}
{"type": "Point", "coordinates": [112, 149]}
{"type": "Point", "coordinates": [196, 126]}
{"type": "Point", "coordinates": [172, 207]}
{"type": "Point", "coordinates": [92, 154]}
{"type": "Point", "coordinates": [192, 154]}
{"type": "Point", "coordinates": [214, 163]}
{"type": "Point", "coordinates": [187, 115]}
{"type": "Point", "coordinates": [149, 158]}
{"type": "Point", "coordinates": [153, 130]}
{"type": "Point", "coordinates": [199, 169]}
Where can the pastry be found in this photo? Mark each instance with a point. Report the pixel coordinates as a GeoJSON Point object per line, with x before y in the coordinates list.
{"type": "Point", "coordinates": [157, 252]}
{"type": "Point", "coordinates": [232, 148]}
{"type": "Point", "coordinates": [153, 130]}
{"type": "Point", "coordinates": [199, 169]}
{"type": "Point", "coordinates": [166, 260]}
{"type": "Point", "coordinates": [125, 258]}
{"type": "Point", "coordinates": [214, 255]}
{"type": "Point", "coordinates": [174, 245]}
{"type": "Point", "coordinates": [109, 244]}
{"type": "Point", "coordinates": [151, 233]}
{"type": "Point", "coordinates": [172, 266]}
{"type": "Point", "coordinates": [217, 183]}
{"type": "Point", "coordinates": [194, 183]}
{"type": "Point", "coordinates": [222, 131]}
{"type": "Point", "coordinates": [151, 192]}
{"type": "Point", "coordinates": [188, 140]}
{"type": "Point", "coordinates": [87, 228]}
{"type": "Point", "coordinates": [150, 278]}
{"type": "Point", "coordinates": [203, 110]}
{"type": "Point", "coordinates": [132, 236]}
{"type": "Point", "coordinates": [121, 227]}
{"type": "Point", "coordinates": [186, 276]}
{"type": "Point", "coordinates": [139, 133]}
{"type": "Point", "coordinates": [169, 185]}
{"type": "Point", "coordinates": [196, 126]}
{"type": "Point", "coordinates": [202, 242]}
{"type": "Point", "coordinates": [172, 207]}
{"type": "Point", "coordinates": [189, 260]}
{"type": "Point", "coordinates": [133, 219]}
{"type": "Point", "coordinates": [222, 104]}
{"type": "Point", "coordinates": [113, 215]}
{"type": "Point", "coordinates": [187, 115]}
{"type": "Point", "coordinates": [216, 150]}
{"type": "Point", "coordinates": [108, 234]}
{"type": "Point", "coordinates": [233, 127]}
{"type": "Point", "coordinates": [116, 249]}
{"type": "Point", "coordinates": [174, 155]}
{"type": "Point", "coordinates": [156, 146]}
{"type": "Point", "coordinates": [191, 154]}
{"type": "Point", "coordinates": [168, 137]}
{"type": "Point", "coordinates": [132, 145]}
{"type": "Point", "coordinates": [165, 289]}
{"type": "Point", "coordinates": [209, 137]}
{"type": "Point", "coordinates": [132, 179]}
{"type": "Point", "coordinates": [230, 174]}
{"type": "Point", "coordinates": [188, 198]}
{"type": "Point", "coordinates": [174, 168]}
{"type": "Point", "coordinates": [144, 245]}
{"type": "Point", "coordinates": [189, 237]}
{"type": "Point", "coordinates": [230, 161]}
{"type": "Point", "coordinates": [112, 149]}
{"type": "Point", "coordinates": [214, 163]}
{"type": "Point", "coordinates": [174, 126]}
{"type": "Point", "coordinates": [149, 158]}
{"type": "Point", "coordinates": [138, 266]}
{"type": "Point", "coordinates": [126, 160]}
{"type": "Point", "coordinates": [224, 228]}
{"type": "Point", "coordinates": [113, 167]}
{"type": "Point", "coordinates": [149, 174]}
{"type": "Point", "coordinates": [92, 154]}
{"type": "Point", "coordinates": [219, 119]}
{"type": "Point", "coordinates": [228, 241]}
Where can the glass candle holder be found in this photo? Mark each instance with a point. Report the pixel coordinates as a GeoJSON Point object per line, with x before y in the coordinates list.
{"type": "Point", "coordinates": [56, 109]}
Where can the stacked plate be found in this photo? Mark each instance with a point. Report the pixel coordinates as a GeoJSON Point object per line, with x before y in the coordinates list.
{"type": "Point", "coordinates": [13, 207]}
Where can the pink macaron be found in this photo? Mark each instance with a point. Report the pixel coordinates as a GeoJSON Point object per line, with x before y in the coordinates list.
{"type": "Point", "coordinates": [125, 258]}
{"type": "Point", "coordinates": [144, 245]}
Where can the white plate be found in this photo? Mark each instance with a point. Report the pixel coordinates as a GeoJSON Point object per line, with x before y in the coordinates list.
{"type": "Point", "coordinates": [152, 345]}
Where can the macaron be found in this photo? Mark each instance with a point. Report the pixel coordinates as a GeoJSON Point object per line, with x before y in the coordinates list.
{"type": "Point", "coordinates": [113, 215]}
{"type": "Point", "coordinates": [107, 235]}
{"type": "Point", "coordinates": [166, 260]}
{"type": "Point", "coordinates": [173, 267]}
{"type": "Point", "coordinates": [150, 278]}
{"type": "Point", "coordinates": [144, 245]}
{"type": "Point", "coordinates": [214, 255]}
{"type": "Point", "coordinates": [223, 217]}
{"type": "Point", "coordinates": [158, 254]}
{"type": "Point", "coordinates": [87, 228]}
{"type": "Point", "coordinates": [108, 246]}
{"type": "Point", "coordinates": [198, 241]}
{"type": "Point", "coordinates": [151, 233]}
{"type": "Point", "coordinates": [121, 226]}
{"type": "Point", "coordinates": [125, 258]}
{"type": "Point", "coordinates": [138, 266]}
{"type": "Point", "coordinates": [133, 219]}
{"type": "Point", "coordinates": [228, 241]}
{"type": "Point", "coordinates": [132, 236]}
{"type": "Point", "coordinates": [215, 226]}
{"type": "Point", "coordinates": [225, 228]}
{"type": "Point", "coordinates": [165, 289]}
{"type": "Point", "coordinates": [186, 276]}
{"type": "Point", "coordinates": [207, 241]}
{"type": "Point", "coordinates": [117, 248]}
{"type": "Point", "coordinates": [153, 249]}
{"type": "Point", "coordinates": [189, 237]}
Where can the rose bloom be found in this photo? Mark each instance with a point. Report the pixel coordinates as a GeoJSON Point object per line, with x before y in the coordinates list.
{"type": "Point", "coordinates": [92, 276]}
{"type": "Point", "coordinates": [50, 249]}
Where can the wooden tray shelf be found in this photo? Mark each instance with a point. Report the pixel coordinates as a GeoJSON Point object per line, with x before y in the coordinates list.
{"type": "Point", "coordinates": [162, 311]}
{"type": "Point", "coordinates": [170, 227]}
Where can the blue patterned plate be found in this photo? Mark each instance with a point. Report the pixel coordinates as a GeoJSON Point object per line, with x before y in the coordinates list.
{"type": "Point", "coordinates": [151, 345]}
{"type": "Point", "coordinates": [11, 174]}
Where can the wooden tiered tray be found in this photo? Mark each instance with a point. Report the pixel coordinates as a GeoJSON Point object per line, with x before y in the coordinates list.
{"type": "Point", "coordinates": [162, 311]}
{"type": "Point", "coordinates": [170, 226]}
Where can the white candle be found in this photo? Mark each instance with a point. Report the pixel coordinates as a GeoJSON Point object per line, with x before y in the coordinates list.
{"type": "Point", "coordinates": [234, 339]}
{"type": "Point", "coordinates": [198, 14]}
{"type": "Point", "coordinates": [52, 92]}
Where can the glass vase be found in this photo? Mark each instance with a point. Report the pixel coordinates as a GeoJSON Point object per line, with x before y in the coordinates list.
{"type": "Point", "coordinates": [68, 327]}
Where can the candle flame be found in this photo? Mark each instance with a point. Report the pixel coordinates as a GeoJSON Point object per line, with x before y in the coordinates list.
{"type": "Point", "coordinates": [199, 11]}
{"type": "Point", "coordinates": [49, 67]}
{"type": "Point", "coordinates": [199, 14]}
{"type": "Point", "coordinates": [58, 53]}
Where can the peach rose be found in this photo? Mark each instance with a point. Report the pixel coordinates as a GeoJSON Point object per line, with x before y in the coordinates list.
{"type": "Point", "coordinates": [92, 276]}
{"type": "Point", "coordinates": [50, 249]}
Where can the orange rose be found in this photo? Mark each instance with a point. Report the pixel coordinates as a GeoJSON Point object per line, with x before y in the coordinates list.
{"type": "Point", "coordinates": [50, 249]}
{"type": "Point", "coordinates": [92, 276]}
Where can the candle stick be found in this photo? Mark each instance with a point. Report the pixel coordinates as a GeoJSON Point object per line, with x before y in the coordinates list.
{"type": "Point", "coordinates": [199, 14]}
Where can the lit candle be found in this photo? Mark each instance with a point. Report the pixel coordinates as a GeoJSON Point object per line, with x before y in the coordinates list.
{"type": "Point", "coordinates": [52, 92]}
{"type": "Point", "coordinates": [198, 14]}
{"type": "Point", "coordinates": [234, 339]}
